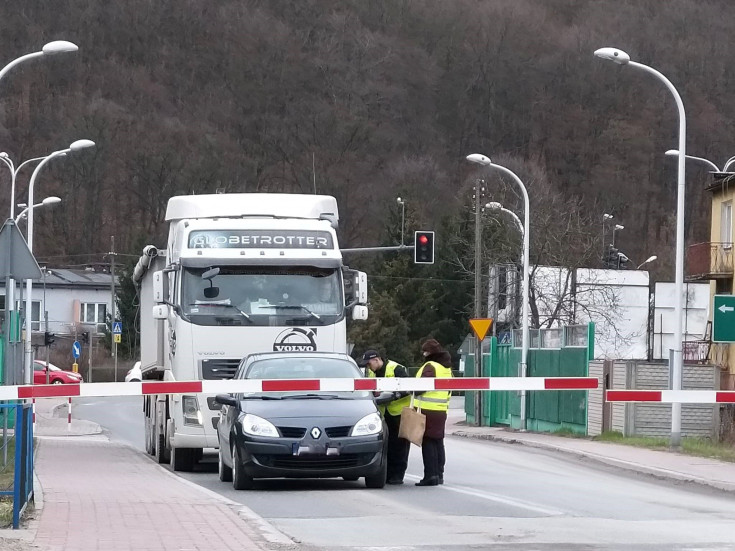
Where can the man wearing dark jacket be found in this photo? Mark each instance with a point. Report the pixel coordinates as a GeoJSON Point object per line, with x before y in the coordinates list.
{"type": "Point", "coordinates": [398, 448]}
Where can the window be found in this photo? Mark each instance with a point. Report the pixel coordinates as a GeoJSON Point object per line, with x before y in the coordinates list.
{"type": "Point", "coordinates": [93, 312]}
{"type": "Point", "coordinates": [35, 313]}
{"type": "Point", "coordinates": [726, 223]}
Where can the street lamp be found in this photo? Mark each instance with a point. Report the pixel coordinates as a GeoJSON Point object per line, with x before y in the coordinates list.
{"type": "Point", "coordinates": [403, 215]}
{"type": "Point", "coordinates": [75, 146]}
{"type": "Point", "coordinates": [52, 48]}
{"type": "Point", "coordinates": [497, 206]}
{"type": "Point", "coordinates": [485, 161]}
{"type": "Point", "coordinates": [48, 201]}
{"type": "Point", "coordinates": [646, 261]}
{"type": "Point", "coordinates": [621, 58]}
{"type": "Point", "coordinates": [675, 153]}
{"type": "Point", "coordinates": [617, 227]}
{"type": "Point", "coordinates": [605, 218]}
{"type": "Point", "coordinates": [14, 173]}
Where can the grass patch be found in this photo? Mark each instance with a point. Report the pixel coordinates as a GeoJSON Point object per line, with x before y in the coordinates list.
{"type": "Point", "coordinates": [7, 477]}
{"type": "Point", "coordinates": [700, 447]}
{"type": "Point", "coordinates": [567, 432]}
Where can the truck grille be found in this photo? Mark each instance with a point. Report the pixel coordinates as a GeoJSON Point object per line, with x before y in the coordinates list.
{"type": "Point", "coordinates": [219, 369]}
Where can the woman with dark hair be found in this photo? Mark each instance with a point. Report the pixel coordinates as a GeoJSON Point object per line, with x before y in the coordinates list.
{"type": "Point", "coordinates": [434, 404]}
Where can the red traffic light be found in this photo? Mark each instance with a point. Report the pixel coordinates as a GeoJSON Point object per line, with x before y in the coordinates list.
{"type": "Point", "coordinates": [423, 240]}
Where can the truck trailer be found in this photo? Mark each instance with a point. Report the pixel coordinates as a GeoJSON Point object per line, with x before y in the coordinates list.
{"type": "Point", "coordinates": [241, 273]}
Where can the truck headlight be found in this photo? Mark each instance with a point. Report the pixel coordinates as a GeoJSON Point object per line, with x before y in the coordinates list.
{"type": "Point", "coordinates": [257, 426]}
{"type": "Point", "coordinates": [192, 413]}
{"type": "Point", "coordinates": [370, 424]}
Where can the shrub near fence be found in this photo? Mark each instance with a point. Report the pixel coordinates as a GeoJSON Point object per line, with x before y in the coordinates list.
{"type": "Point", "coordinates": [16, 461]}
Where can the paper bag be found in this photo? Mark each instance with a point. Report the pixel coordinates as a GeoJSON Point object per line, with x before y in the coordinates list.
{"type": "Point", "coordinates": [413, 424]}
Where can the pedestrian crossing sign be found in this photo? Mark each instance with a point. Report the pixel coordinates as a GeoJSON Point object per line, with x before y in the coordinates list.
{"type": "Point", "coordinates": [117, 328]}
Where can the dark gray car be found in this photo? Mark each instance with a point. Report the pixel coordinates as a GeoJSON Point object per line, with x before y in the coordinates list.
{"type": "Point", "coordinates": [300, 434]}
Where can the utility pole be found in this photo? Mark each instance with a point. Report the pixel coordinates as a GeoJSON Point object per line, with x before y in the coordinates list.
{"type": "Point", "coordinates": [113, 344]}
{"type": "Point", "coordinates": [478, 293]}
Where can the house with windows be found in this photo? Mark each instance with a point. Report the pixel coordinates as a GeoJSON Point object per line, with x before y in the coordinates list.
{"type": "Point", "coordinates": [72, 302]}
{"type": "Point", "coordinates": [713, 261]}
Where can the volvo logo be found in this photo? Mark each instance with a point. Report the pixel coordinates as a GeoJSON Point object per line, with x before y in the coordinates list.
{"type": "Point", "coordinates": [315, 433]}
{"type": "Point", "coordinates": [295, 340]}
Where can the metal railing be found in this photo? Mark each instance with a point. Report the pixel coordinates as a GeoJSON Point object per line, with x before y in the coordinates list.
{"type": "Point", "coordinates": [696, 351]}
{"type": "Point", "coordinates": [16, 455]}
{"type": "Point", "coordinates": [709, 259]}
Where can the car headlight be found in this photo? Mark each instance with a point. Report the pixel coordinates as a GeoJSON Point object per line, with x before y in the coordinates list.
{"type": "Point", "coordinates": [192, 413]}
{"type": "Point", "coordinates": [370, 424]}
{"type": "Point", "coordinates": [257, 426]}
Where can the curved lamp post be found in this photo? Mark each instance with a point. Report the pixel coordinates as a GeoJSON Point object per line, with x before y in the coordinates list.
{"type": "Point", "coordinates": [52, 48]}
{"type": "Point", "coordinates": [622, 58]}
{"type": "Point", "coordinates": [48, 201]}
{"type": "Point", "coordinates": [76, 146]}
{"type": "Point", "coordinates": [646, 261]}
{"type": "Point", "coordinates": [494, 205]}
{"type": "Point", "coordinates": [617, 228]}
{"type": "Point", "coordinates": [14, 173]}
{"type": "Point", "coordinates": [485, 161]}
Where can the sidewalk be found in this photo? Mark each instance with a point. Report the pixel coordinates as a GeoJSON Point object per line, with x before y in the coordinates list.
{"type": "Point", "coordinates": [660, 464]}
{"type": "Point", "coordinates": [95, 494]}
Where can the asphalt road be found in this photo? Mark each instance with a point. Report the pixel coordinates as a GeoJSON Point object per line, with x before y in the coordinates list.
{"type": "Point", "coordinates": [507, 497]}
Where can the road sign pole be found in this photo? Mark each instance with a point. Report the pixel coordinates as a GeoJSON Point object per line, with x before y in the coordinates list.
{"type": "Point", "coordinates": [480, 326]}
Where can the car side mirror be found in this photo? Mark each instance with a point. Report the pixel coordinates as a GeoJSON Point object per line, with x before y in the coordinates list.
{"type": "Point", "coordinates": [225, 400]}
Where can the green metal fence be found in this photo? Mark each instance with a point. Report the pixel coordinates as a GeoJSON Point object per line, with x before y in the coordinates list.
{"type": "Point", "coordinates": [557, 352]}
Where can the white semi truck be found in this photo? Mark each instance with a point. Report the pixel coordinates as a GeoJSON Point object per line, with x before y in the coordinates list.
{"type": "Point", "coordinates": [241, 273]}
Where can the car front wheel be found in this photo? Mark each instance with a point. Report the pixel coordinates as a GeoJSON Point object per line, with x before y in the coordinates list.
{"type": "Point", "coordinates": [240, 479]}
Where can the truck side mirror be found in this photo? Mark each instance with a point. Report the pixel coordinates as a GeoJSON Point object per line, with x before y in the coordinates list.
{"type": "Point", "coordinates": [160, 312]}
{"type": "Point", "coordinates": [160, 287]}
{"type": "Point", "coordinates": [359, 312]}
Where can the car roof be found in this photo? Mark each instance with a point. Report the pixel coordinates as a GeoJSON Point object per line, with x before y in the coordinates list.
{"type": "Point", "coordinates": [269, 355]}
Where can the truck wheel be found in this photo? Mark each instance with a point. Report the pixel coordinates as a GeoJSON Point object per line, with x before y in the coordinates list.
{"type": "Point", "coordinates": [225, 472]}
{"type": "Point", "coordinates": [161, 453]}
{"type": "Point", "coordinates": [240, 479]}
{"type": "Point", "coordinates": [182, 459]}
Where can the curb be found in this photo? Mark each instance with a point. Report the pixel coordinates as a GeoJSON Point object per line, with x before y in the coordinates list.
{"type": "Point", "coordinates": [630, 466]}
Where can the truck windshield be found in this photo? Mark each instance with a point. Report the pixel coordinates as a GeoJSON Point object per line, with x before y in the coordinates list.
{"type": "Point", "coordinates": [246, 295]}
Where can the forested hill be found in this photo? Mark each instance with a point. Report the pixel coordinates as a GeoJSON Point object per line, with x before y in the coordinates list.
{"type": "Point", "coordinates": [366, 100]}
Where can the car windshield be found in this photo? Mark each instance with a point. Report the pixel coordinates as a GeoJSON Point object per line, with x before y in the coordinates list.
{"type": "Point", "coordinates": [51, 367]}
{"type": "Point", "coordinates": [304, 368]}
{"type": "Point", "coordinates": [246, 295]}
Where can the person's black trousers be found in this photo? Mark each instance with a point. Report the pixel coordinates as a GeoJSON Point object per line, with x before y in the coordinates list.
{"type": "Point", "coordinates": [398, 448]}
{"type": "Point", "coordinates": [432, 451]}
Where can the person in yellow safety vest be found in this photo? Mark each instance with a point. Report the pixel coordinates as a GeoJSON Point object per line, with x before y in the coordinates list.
{"type": "Point", "coordinates": [434, 404]}
{"type": "Point", "coordinates": [398, 448]}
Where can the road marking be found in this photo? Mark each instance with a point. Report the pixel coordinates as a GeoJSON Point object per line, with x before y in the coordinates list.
{"type": "Point", "coordinates": [498, 498]}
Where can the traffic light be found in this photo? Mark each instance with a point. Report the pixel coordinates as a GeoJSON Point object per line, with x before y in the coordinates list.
{"type": "Point", "coordinates": [423, 252]}
{"type": "Point", "coordinates": [85, 337]}
{"type": "Point", "coordinates": [623, 261]}
{"type": "Point", "coordinates": [612, 259]}
{"type": "Point", "coordinates": [48, 338]}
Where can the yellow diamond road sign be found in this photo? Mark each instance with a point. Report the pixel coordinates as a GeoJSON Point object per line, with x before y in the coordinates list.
{"type": "Point", "coordinates": [481, 326]}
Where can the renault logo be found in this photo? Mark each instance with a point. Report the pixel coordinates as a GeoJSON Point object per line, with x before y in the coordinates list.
{"type": "Point", "coordinates": [315, 433]}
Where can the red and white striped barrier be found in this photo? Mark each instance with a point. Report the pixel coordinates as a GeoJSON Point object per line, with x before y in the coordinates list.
{"type": "Point", "coordinates": [298, 385]}
{"type": "Point", "coordinates": [672, 396]}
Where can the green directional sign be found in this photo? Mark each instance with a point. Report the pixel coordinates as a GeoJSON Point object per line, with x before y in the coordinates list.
{"type": "Point", "coordinates": [723, 319]}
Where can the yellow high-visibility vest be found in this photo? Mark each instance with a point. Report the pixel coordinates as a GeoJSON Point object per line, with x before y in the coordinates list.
{"type": "Point", "coordinates": [396, 406]}
{"type": "Point", "coordinates": [435, 400]}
